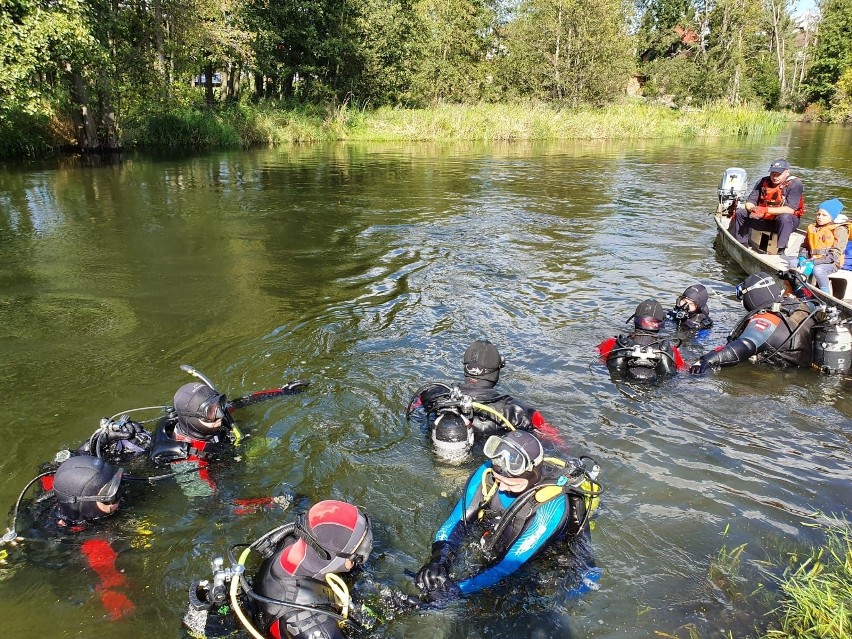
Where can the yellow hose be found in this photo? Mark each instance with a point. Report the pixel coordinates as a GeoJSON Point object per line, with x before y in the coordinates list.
{"type": "Point", "coordinates": [235, 604]}
{"type": "Point", "coordinates": [500, 416]}
{"type": "Point", "coordinates": [487, 493]}
{"type": "Point", "coordinates": [339, 587]}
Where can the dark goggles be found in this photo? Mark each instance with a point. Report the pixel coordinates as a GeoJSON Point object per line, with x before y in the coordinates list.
{"type": "Point", "coordinates": [213, 409]}
{"type": "Point", "coordinates": [362, 551]}
{"type": "Point", "coordinates": [765, 282]}
{"type": "Point", "coordinates": [507, 458]}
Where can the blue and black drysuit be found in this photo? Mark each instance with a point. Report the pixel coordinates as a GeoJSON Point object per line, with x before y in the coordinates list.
{"type": "Point", "coordinates": [511, 542]}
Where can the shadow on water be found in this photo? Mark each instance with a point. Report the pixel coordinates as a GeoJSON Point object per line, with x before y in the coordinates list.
{"type": "Point", "coordinates": [367, 269]}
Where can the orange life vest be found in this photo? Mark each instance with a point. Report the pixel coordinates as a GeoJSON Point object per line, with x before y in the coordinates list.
{"type": "Point", "coordinates": [771, 195]}
{"type": "Point", "coordinates": [822, 238]}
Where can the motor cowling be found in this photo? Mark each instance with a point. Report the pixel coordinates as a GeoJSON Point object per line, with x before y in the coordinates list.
{"type": "Point", "coordinates": [733, 188]}
{"type": "Point", "coordinates": [832, 349]}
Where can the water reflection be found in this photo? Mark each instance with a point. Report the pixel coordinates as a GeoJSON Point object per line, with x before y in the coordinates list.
{"type": "Point", "coordinates": [367, 269]}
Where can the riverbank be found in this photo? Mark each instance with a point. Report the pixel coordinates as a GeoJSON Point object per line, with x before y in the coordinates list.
{"type": "Point", "coordinates": [267, 125]}
{"type": "Point", "coordinates": [270, 124]}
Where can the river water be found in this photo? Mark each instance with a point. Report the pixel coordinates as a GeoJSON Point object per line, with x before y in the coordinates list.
{"type": "Point", "coordinates": [367, 269]}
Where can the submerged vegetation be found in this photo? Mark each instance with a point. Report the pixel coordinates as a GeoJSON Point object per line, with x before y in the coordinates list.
{"type": "Point", "coordinates": [809, 596]}
{"type": "Point", "coordinates": [817, 591]}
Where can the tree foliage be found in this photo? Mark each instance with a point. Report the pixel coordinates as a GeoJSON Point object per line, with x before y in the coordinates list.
{"type": "Point", "coordinates": [84, 68]}
{"type": "Point", "coordinates": [833, 51]}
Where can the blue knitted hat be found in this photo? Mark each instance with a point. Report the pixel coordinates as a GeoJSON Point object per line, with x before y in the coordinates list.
{"type": "Point", "coordinates": [832, 207]}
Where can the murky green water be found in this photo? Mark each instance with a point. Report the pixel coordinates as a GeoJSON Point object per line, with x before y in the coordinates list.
{"type": "Point", "coordinates": [367, 270]}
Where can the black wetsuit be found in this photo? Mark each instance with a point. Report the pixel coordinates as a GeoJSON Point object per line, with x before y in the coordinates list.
{"type": "Point", "coordinates": [518, 414]}
{"type": "Point", "coordinates": [641, 355]}
{"type": "Point", "coordinates": [779, 336]}
{"type": "Point", "coordinates": [275, 581]}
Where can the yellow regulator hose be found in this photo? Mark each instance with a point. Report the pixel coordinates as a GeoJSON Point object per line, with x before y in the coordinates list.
{"type": "Point", "coordinates": [235, 604]}
{"type": "Point", "coordinates": [500, 416]}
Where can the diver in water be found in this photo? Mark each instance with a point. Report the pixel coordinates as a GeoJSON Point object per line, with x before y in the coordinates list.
{"type": "Point", "coordinates": [82, 490]}
{"type": "Point", "coordinates": [298, 592]}
{"type": "Point", "coordinates": [690, 310]}
{"type": "Point", "coordinates": [520, 502]}
{"type": "Point", "coordinates": [198, 430]}
{"type": "Point", "coordinates": [456, 414]}
{"type": "Point", "coordinates": [643, 354]}
{"type": "Point", "coordinates": [776, 329]}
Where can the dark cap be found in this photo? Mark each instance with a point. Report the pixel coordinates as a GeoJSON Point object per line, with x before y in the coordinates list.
{"type": "Point", "coordinates": [483, 361]}
{"type": "Point", "coordinates": [649, 315]}
{"type": "Point", "coordinates": [82, 480]}
{"type": "Point", "coordinates": [759, 290]}
{"type": "Point", "coordinates": [779, 166]}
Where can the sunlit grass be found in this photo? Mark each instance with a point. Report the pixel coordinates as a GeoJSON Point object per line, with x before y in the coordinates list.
{"type": "Point", "coordinates": [817, 592]}
{"type": "Point", "coordinates": [273, 124]}
{"type": "Point", "coordinates": [541, 121]}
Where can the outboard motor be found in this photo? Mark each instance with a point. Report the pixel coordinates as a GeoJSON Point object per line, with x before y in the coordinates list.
{"type": "Point", "coordinates": [832, 351]}
{"type": "Point", "coordinates": [733, 189]}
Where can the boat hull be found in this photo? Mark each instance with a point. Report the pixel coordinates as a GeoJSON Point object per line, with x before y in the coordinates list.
{"type": "Point", "coordinates": [752, 261]}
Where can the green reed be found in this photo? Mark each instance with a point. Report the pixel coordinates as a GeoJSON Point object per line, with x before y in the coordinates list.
{"type": "Point", "coordinates": [273, 124]}
{"type": "Point", "coordinates": [817, 592]}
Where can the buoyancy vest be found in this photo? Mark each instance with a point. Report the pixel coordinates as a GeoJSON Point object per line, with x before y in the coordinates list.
{"type": "Point", "coordinates": [643, 356]}
{"type": "Point", "coordinates": [771, 195]}
{"type": "Point", "coordinates": [822, 238]}
{"type": "Point", "coordinates": [274, 582]}
{"type": "Point", "coordinates": [559, 479]}
{"type": "Point", "coordinates": [171, 446]}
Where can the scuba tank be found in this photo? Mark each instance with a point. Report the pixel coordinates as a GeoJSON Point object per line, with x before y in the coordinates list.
{"type": "Point", "coordinates": [832, 349]}
{"type": "Point", "coordinates": [733, 188]}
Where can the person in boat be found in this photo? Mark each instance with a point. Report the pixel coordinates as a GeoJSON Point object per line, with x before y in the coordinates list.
{"type": "Point", "coordinates": [643, 354]}
{"type": "Point", "coordinates": [298, 591]}
{"type": "Point", "coordinates": [823, 251]}
{"type": "Point", "coordinates": [776, 204]}
{"type": "Point", "coordinates": [80, 492]}
{"type": "Point", "coordinates": [456, 414]}
{"type": "Point", "coordinates": [776, 328]}
{"type": "Point", "coordinates": [690, 310]}
{"type": "Point", "coordinates": [520, 502]}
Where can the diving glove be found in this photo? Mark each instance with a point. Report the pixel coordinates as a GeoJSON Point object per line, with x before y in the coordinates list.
{"type": "Point", "coordinates": [435, 574]}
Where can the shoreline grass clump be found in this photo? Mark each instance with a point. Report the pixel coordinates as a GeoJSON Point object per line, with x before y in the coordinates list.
{"type": "Point", "coordinates": [274, 124]}
{"type": "Point", "coordinates": [817, 592]}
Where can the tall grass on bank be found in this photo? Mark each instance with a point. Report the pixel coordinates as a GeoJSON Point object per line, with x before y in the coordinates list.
{"type": "Point", "coordinates": [269, 124]}
{"type": "Point", "coordinates": [817, 593]}
{"type": "Point", "coordinates": [540, 121]}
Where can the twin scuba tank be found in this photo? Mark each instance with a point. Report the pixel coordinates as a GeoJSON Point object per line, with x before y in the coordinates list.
{"type": "Point", "coordinates": [832, 348]}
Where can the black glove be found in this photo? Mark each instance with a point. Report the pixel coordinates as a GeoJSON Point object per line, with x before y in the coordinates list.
{"type": "Point", "coordinates": [700, 367]}
{"type": "Point", "coordinates": [435, 573]}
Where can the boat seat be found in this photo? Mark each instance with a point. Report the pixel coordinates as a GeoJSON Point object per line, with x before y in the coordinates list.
{"type": "Point", "coordinates": [841, 284]}
{"type": "Point", "coordinates": [765, 241]}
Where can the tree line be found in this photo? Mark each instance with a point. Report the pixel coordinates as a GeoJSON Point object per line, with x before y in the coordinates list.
{"type": "Point", "coordinates": [91, 66]}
